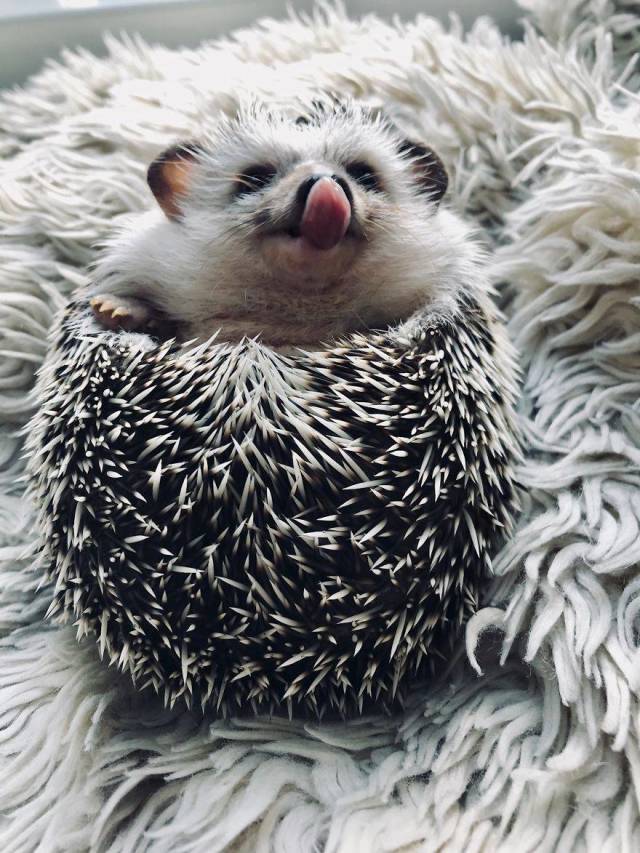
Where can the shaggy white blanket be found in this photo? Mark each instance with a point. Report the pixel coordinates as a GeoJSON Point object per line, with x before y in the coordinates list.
{"type": "Point", "coordinates": [535, 743]}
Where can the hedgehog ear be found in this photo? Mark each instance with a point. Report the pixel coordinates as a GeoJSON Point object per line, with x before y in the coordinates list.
{"type": "Point", "coordinates": [169, 176]}
{"type": "Point", "coordinates": [427, 167]}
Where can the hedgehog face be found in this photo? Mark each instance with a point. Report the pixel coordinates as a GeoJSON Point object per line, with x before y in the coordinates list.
{"type": "Point", "coordinates": [302, 201]}
{"type": "Point", "coordinates": [295, 230]}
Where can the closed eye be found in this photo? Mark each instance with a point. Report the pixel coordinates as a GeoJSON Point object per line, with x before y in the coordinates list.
{"type": "Point", "coordinates": [253, 179]}
{"type": "Point", "coordinates": [364, 174]}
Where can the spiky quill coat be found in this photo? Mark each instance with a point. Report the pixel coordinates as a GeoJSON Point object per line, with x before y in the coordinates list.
{"type": "Point", "coordinates": [244, 529]}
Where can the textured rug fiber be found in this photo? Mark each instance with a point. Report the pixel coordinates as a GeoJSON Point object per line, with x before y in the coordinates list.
{"type": "Point", "coordinates": [532, 740]}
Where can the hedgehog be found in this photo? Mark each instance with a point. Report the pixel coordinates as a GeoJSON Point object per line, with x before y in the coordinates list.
{"type": "Point", "coordinates": [243, 527]}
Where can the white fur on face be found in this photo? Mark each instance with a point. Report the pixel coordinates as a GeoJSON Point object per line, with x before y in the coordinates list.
{"type": "Point", "coordinates": [228, 263]}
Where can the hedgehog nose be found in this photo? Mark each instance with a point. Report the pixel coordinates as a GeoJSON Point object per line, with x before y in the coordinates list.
{"type": "Point", "coordinates": [306, 186]}
{"type": "Point", "coordinates": [327, 209]}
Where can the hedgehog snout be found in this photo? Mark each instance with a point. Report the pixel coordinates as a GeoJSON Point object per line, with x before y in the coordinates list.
{"type": "Point", "coordinates": [314, 198]}
{"type": "Point", "coordinates": [309, 228]}
{"type": "Point", "coordinates": [307, 185]}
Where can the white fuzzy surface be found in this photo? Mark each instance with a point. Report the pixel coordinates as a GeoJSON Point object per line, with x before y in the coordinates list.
{"type": "Point", "coordinates": [541, 751]}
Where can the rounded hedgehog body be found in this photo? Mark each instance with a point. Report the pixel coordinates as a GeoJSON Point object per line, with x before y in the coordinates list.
{"type": "Point", "coordinates": [241, 528]}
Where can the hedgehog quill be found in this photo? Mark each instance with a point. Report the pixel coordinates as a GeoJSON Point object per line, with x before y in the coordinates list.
{"type": "Point", "coordinates": [247, 529]}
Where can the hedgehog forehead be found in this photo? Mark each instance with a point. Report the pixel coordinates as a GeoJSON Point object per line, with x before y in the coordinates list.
{"type": "Point", "coordinates": [337, 140]}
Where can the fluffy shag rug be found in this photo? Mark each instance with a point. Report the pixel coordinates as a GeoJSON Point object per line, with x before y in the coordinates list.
{"type": "Point", "coordinates": [532, 741]}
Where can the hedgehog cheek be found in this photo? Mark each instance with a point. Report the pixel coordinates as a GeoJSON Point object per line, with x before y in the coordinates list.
{"type": "Point", "coordinates": [169, 177]}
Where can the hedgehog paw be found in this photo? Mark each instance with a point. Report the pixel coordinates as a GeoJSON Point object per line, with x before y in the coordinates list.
{"type": "Point", "coordinates": [121, 312]}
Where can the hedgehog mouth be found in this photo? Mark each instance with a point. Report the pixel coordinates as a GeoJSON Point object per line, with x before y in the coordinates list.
{"type": "Point", "coordinates": [294, 233]}
{"type": "Point", "coordinates": [292, 239]}
{"type": "Point", "coordinates": [295, 261]}
{"type": "Point", "coordinates": [290, 227]}
{"type": "Point", "coordinates": [316, 239]}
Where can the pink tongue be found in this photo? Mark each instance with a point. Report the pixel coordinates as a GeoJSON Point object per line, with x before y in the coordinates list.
{"type": "Point", "coordinates": [326, 214]}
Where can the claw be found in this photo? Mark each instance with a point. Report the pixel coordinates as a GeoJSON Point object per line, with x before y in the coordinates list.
{"type": "Point", "coordinates": [120, 313]}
